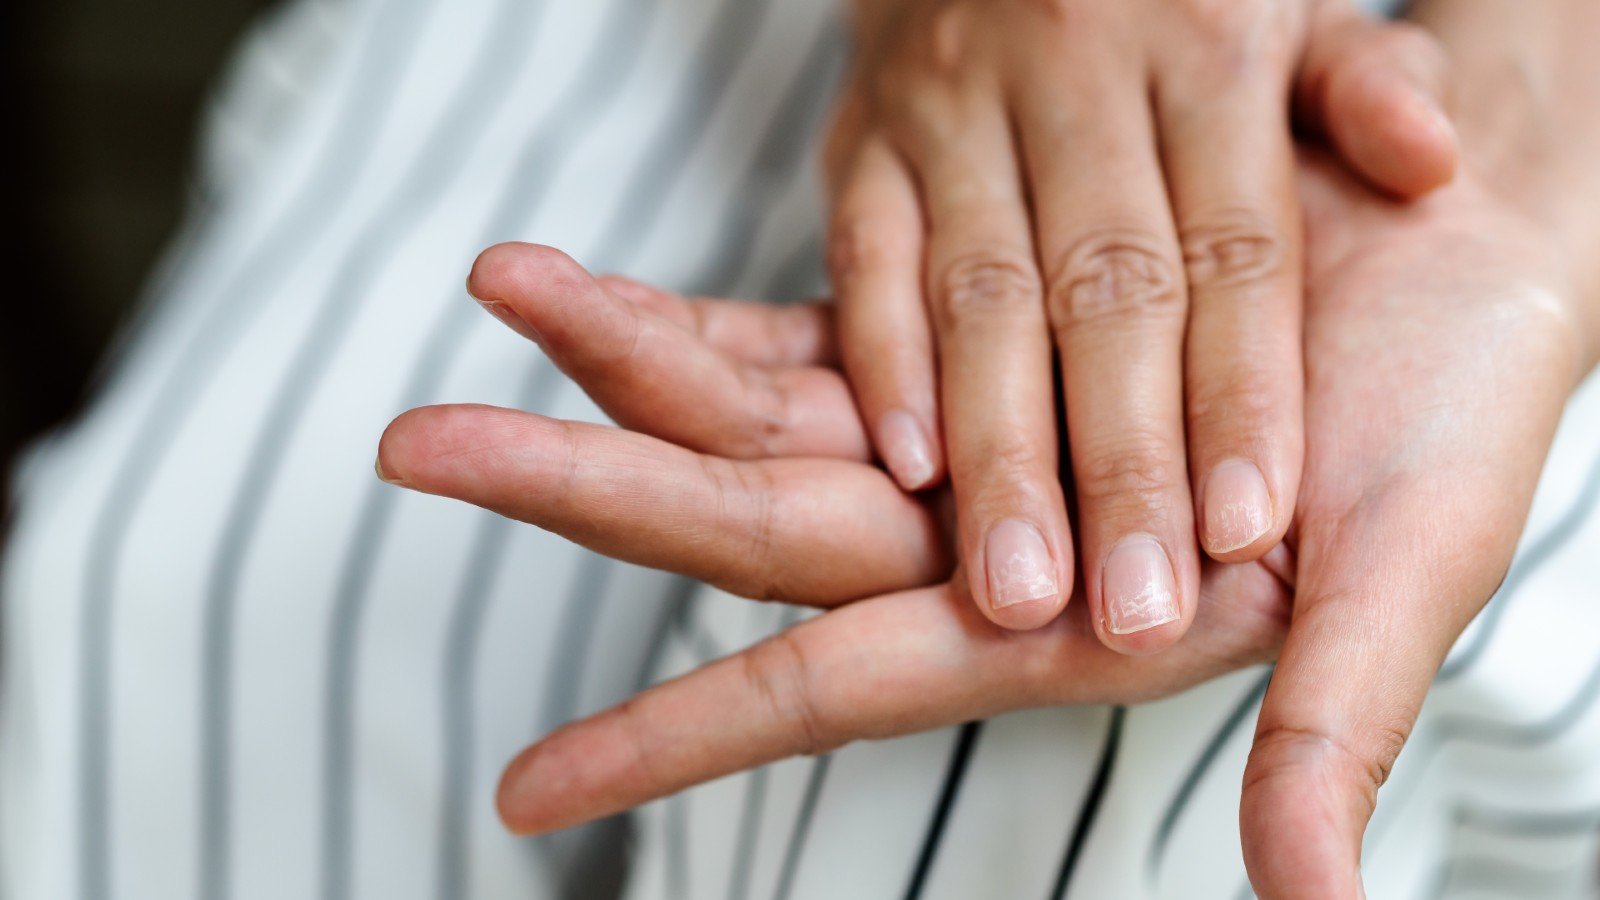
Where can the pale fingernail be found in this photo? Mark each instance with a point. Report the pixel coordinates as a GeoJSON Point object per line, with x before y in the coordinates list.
{"type": "Point", "coordinates": [1019, 565]}
{"type": "Point", "coordinates": [905, 449]}
{"type": "Point", "coordinates": [377, 466]}
{"type": "Point", "coordinates": [1238, 509]}
{"type": "Point", "coordinates": [1139, 591]}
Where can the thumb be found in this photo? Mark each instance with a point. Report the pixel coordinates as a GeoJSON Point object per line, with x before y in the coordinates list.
{"type": "Point", "coordinates": [1378, 91]}
{"type": "Point", "coordinates": [1376, 612]}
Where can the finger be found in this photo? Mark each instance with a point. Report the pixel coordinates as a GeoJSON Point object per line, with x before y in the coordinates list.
{"type": "Point", "coordinates": [1117, 307]}
{"type": "Point", "coordinates": [1379, 91]}
{"type": "Point", "coordinates": [994, 358]}
{"type": "Point", "coordinates": [652, 376]}
{"type": "Point", "coordinates": [762, 334]}
{"type": "Point", "coordinates": [875, 260]}
{"type": "Point", "coordinates": [1382, 595]}
{"type": "Point", "coordinates": [885, 667]}
{"type": "Point", "coordinates": [1231, 171]}
{"type": "Point", "coordinates": [805, 530]}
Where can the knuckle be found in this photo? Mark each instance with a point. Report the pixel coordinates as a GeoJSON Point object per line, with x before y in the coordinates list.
{"type": "Point", "coordinates": [1142, 472]}
{"type": "Point", "coordinates": [1234, 24]}
{"type": "Point", "coordinates": [768, 420]}
{"type": "Point", "coordinates": [1005, 467]}
{"type": "Point", "coordinates": [858, 245]}
{"type": "Point", "coordinates": [1234, 40]}
{"type": "Point", "coordinates": [948, 39]}
{"type": "Point", "coordinates": [1282, 750]}
{"type": "Point", "coordinates": [776, 672]}
{"type": "Point", "coordinates": [1111, 274]}
{"type": "Point", "coordinates": [1234, 249]}
{"type": "Point", "coordinates": [982, 285]}
{"type": "Point", "coordinates": [745, 507]}
{"type": "Point", "coordinates": [1246, 402]}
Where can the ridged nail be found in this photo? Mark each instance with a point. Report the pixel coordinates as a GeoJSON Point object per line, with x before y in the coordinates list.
{"type": "Point", "coordinates": [1237, 506]}
{"type": "Point", "coordinates": [1019, 565]}
{"type": "Point", "coordinates": [1138, 587]}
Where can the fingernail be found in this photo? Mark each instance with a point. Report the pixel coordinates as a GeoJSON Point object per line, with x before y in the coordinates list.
{"type": "Point", "coordinates": [510, 319]}
{"type": "Point", "coordinates": [1138, 587]}
{"type": "Point", "coordinates": [905, 449]}
{"type": "Point", "coordinates": [1238, 509]}
{"type": "Point", "coordinates": [1019, 565]}
{"type": "Point", "coordinates": [377, 466]}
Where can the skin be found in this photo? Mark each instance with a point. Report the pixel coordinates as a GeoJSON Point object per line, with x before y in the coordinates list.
{"type": "Point", "coordinates": [1423, 463]}
{"type": "Point", "coordinates": [1112, 184]}
{"type": "Point", "coordinates": [1442, 341]}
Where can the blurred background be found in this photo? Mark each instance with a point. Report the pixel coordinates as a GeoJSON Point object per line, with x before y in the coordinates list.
{"type": "Point", "coordinates": [104, 98]}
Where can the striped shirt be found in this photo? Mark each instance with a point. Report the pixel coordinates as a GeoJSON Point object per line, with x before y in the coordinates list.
{"type": "Point", "coordinates": [236, 666]}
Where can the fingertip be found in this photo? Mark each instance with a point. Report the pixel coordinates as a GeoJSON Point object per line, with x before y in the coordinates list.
{"type": "Point", "coordinates": [1386, 112]}
{"type": "Point", "coordinates": [1416, 149]}
{"type": "Point", "coordinates": [446, 449]}
{"type": "Point", "coordinates": [510, 804]}
{"type": "Point", "coordinates": [410, 438]}
{"type": "Point", "coordinates": [1301, 834]}
{"type": "Point", "coordinates": [510, 266]}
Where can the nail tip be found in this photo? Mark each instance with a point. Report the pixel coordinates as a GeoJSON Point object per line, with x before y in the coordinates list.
{"type": "Point", "coordinates": [1140, 627]}
{"type": "Point", "coordinates": [1042, 591]}
{"type": "Point", "coordinates": [1020, 566]}
{"type": "Point", "coordinates": [385, 477]}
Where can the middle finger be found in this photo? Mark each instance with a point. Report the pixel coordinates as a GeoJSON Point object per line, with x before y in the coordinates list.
{"type": "Point", "coordinates": [1117, 303]}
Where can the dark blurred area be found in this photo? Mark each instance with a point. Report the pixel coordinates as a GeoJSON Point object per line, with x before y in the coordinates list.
{"type": "Point", "coordinates": [102, 99]}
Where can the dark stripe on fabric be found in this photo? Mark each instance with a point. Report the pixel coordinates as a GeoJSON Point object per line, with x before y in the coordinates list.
{"type": "Point", "coordinates": [801, 830]}
{"type": "Point", "coordinates": [751, 817]}
{"type": "Point", "coordinates": [744, 851]}
{"type": "Point", "coordinates": [1539, 554]}
{"type": "Point", "coordinates": [1530, 822]}
{"type": "Point", "coordinates": [356, 124]}
{"type": "Point", "coordinates": [1090, 810]}
{"type": "Point", "coordinates": [801, 274]}
{"type": "Point", "coordinates": [778, 157]}
{"type": "Point", "coordinates": [955, 775]}
{"type": "Point", "coordinates": [575, 637]}
{"type": "Point", "coordinates": [716, 63]}
{"type": "Point", "coordinates": [484, 90]}
{"type": "Point", "coordinates": [1487, 874]}
{"type": "Point", "coordinates": [1240, 714]}
{"type": "Point", "coordinates": [677, 846]}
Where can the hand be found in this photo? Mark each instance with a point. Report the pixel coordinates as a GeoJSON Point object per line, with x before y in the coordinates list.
{"type": "Point", "coordinates": [781, 504]}
{"type": "Point", "coordinates": [1441, 351]}
{"type": "Point", "coordinates": [1117, 176]}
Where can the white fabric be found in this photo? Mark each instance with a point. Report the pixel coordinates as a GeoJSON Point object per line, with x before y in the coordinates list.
{"type": "Point", "coordinates": [186, 577]}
